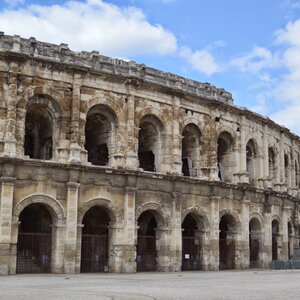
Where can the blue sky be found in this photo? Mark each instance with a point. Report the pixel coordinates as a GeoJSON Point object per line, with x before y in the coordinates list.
{"type": "Point", "coordinates": [250, 48]}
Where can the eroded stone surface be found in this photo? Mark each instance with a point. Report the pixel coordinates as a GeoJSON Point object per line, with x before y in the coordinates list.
{"type": "Point", "coordinates": [151, 155]}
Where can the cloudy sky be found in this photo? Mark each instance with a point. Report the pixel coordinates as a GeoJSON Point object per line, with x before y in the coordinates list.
{"type": "Point", "coordinates": [250, 48]}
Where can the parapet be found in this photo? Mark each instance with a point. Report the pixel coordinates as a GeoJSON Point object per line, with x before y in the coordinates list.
{"type": "Point", "coordinates": [93, 61]}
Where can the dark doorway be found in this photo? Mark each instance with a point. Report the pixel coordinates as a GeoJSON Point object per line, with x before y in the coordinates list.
{"type": "Point", "coordinates": [99, 131]}
{"type": "Point", "coordinates": [224, 156]}
{"type": "Point", "coordinates": [146, 243]}
{"type": "Point", "coordinates": [38, 133]}
{"type": "Point", "coordinates": [190, 148]}
{"type": "Point", "coordinates": [34, 240]}
{"type": "Point", "coordinates": [191, 247]}
{"type": "Point", "coordinates": [226, 243]}
{"type": "Point", "coordinates": [150, 143]}
{"type": "Point", "coordinates": [275, 232]}
{"type": "Point", "coordinates": [94, 244]}
{"type": "Point", "coordinates": [254, 242]}
{"type": "Point", "coordinates": [290, 240]}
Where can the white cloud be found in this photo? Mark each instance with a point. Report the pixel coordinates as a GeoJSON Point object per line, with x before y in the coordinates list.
{"type": "Point", "coordinates": [288, 91]}
{"type": "Point", "coordinates": [290, 34]}
{"type": "Point", "coordinates": [201, 60]}
{"type": "Point", "coordinates": [91, 25]}
{"type": "Point", "coordinates": [258, 59]}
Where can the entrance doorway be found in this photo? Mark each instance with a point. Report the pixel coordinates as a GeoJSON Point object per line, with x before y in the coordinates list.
{"type": "Point", "coordinates": [275, 235]}
{"type": "Point", "coordinates": [227, 243]}
{"type": "Point", "coordinates": [254, 242]}
{"type": "Point", "coordinates": [146, 243]}
{"type": "Point", "coordinates": [34, 240]}
{"type": "Point", "coordinates": [191, 245]}
{"type": "Point", "coordinates": [94, 244]}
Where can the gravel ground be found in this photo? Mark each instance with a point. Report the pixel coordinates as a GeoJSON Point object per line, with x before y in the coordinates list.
{"type": "Point", "coordinates": [253, 284]}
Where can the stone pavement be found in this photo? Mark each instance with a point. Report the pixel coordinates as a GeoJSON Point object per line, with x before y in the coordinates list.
{"type": "Point", "coordinates": [252, 284]}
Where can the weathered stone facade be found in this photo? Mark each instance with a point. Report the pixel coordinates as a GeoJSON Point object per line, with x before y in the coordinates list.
{"type": "Point", "coordinates": [169, 174]}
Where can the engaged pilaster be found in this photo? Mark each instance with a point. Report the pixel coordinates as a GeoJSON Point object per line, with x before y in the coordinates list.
{"type": "Point", "coordinates": [6, 205]}
{"type": "Point", "coordinates": [71, 228]}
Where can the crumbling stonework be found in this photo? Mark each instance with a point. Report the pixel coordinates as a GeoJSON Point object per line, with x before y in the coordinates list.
{"type": "Point", "coordinates": [111, 166]}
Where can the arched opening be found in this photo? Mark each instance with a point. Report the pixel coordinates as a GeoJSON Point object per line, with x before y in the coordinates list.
{"type": "Point", "coordinates": [252, 160]}
{"type": "Point", "coordinates": [225, 156]}
{"type": "Point", "coordinates": [275, 236]}
{"type": "Point", "coordinates": [149, 151]}
{"type": "Point", "coordinates": [146, 242]}
{"type": "Point", "coordinates": [290, 239]}
{"type": "Point", "coordinates": [94, 244]}
{"type": "Point", "coordinates": [191, 245]}
{"type": "Point", "coordinates": [255, 242]}
{"type": "Point", "coordinates": [34, 245]}
{"type": "Point", "coordinates": [227, 242]}
{"type": "Point", "coordinates": [272, 165]}
{"type": "Point", "coordinates": [286, 169]}
{"type": "Point", "coordinates": [38, 141]}
{"type": "Point", "coordinates": [99, 134]}
{"type": "Point", "coordinates": [296, 174]}
{"type": "Point", "coordinates": [190, 150]}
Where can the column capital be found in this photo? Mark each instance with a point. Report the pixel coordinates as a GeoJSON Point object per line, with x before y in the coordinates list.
{"type": "Point", "coordinates": [8, 180]}
{"type": "Point", "coordinates": [130, 190]}
{"type": "Point", "coordinates": [73, 185]}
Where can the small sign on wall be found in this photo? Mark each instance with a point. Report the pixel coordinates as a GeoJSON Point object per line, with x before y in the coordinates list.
{"type": "Point", "coordinates": [186, 256]}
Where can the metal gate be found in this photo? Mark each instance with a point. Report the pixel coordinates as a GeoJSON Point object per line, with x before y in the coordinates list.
{"type": "Point", "coordinates": [146, 253]}
{"type": "Point", "coordinates": [34, 253]}
{"type": "Point", "coordinates": [274, 248]}
{"type": "Point", "coordinates": [254, 253]}
{"type": "Point", "coordinates": [94, 253]}
{"type": "Point", "coordinates": [227, 254]}
{"type": "Point", "coordinates": [190, 254]}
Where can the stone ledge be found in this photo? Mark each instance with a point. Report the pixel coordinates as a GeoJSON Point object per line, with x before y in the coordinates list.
{"type": "Point", "coordinates": [15, 45]}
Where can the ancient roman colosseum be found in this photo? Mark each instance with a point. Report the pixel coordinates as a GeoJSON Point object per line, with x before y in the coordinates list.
{"type": "Point", "coordinates": [112, 166]}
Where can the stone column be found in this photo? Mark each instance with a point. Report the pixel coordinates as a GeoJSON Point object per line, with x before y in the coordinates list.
{"type": "Point", "coordinates": [242, 175]}
{"type": "Point", "coordinates": [281, 173]}
{"type": "Point", "coordinates": [132, 139]}
{"type": "Point", "coordinates": [280, 184]}
{"type": "Point", "coordinates": [163, 242]}
{"type": "Point", "coordinates": [6, 206]}
{"type": "Point", "coordinates": [244, 235]}
{"type": "Point", "coordinates": [285, 234]}
{"type": "Point", "coordinates": [293, 170]}
{"type": "Point", "coordinates": [78, 248]}
{"type": "Point", "coordinates": [20, 131]}
{"type": "Point", "coordinates": [202, 238]}
{"type": "Point", "coordinates": [71, 228]}
{"type": "Point", "coordinates": [177, 137]}
{"type": "Point", "coordinates": [165, 162]}
{"type": "Point", "coordinates": [58, 247]}
{"type": "Point", "coordinates": [127, 249]}
{"type": "Point", "coordinates": [267, 248]}
{"type": "Point", "coordinates": [75, 150]}
{"type": "Point", "coordinates": [211, 146]}
{"type": "Point", "coordinates": [214, 233]}
{"type": "Point", "coordinates": [116, 248]}
{"type": "Point", "coordinates": [13, 247]}
{"type": "Point", "coordinates": [265, 158]}
{"type": "Point", "coordinates": [175, 251]}
{"type": "Point", "coordinates": [10, 130]}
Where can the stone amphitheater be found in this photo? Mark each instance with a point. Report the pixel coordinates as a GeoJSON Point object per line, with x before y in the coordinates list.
{"type": "Point", "coordinates": [112, 166]}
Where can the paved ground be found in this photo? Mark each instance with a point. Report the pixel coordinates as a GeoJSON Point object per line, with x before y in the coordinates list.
{"type": "Point", "coordinates": [145, 286]}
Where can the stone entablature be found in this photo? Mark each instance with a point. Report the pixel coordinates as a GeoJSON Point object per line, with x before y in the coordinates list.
{"type": "Point", "coordinates": [93, 62]}
{"type": "Point", "coordinates": [81, 131]}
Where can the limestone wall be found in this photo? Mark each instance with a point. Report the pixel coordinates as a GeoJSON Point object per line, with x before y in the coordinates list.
{"type": "Point", "coordinates": [238, 165]}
